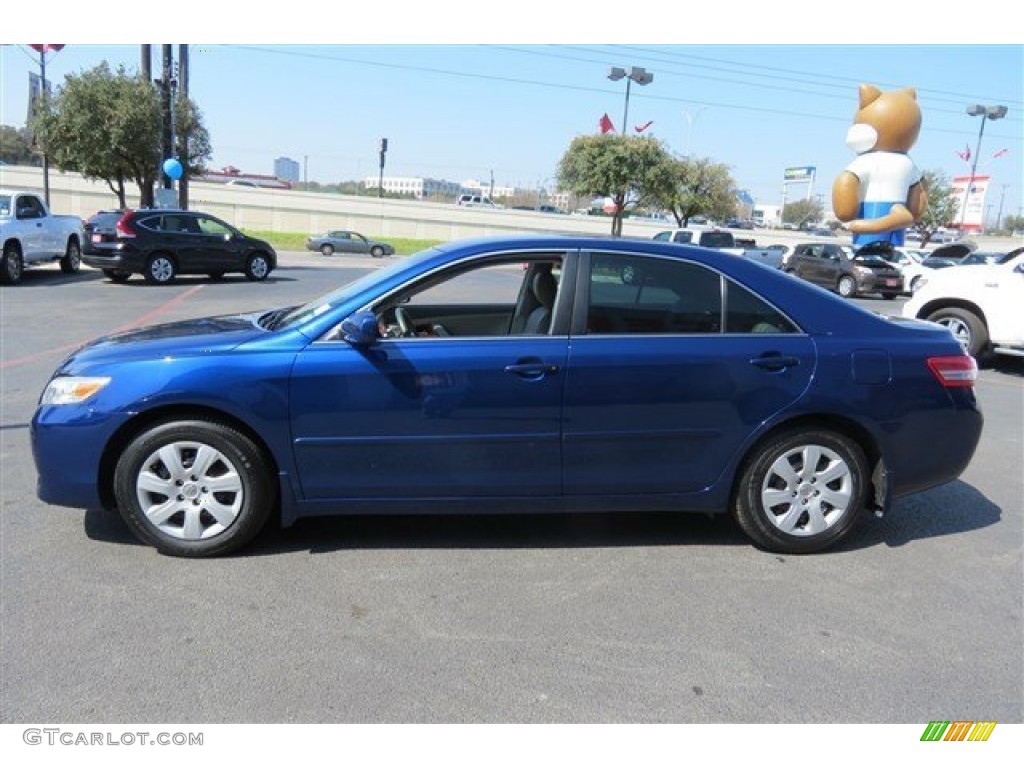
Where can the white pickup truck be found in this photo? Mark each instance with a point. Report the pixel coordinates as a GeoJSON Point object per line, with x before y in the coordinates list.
{"type": "Point", "coordinates": [30, 234]}
{"type": "Point", "coordinates": [983, 305]}
{"type": "Point", "coordinates": [722, 240]}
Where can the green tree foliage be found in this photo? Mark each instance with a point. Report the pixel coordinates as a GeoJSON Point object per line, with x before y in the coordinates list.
{"type": "Point", "coordinates": [942, 209]}
{"type": "Point", "coordinates": [14, 147]}
{"type": "Point", "coordinates": [1013, 223]}
{"type": "Point", "coordinates": [631, 170]}
{"type": "Point", "coordinates": [106, 125]}
{"type": "Point", "coordinates": [698, 186]}
{"type": "Point", "coordinates": [801, 212]}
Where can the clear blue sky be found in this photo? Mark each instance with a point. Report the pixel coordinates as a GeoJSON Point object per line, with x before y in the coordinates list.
{"type": "Point", "coordinates": [460, 110]}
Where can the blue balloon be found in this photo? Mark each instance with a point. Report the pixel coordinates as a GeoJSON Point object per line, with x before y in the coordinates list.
{"type": "Point", "coordinates": [173, 169]}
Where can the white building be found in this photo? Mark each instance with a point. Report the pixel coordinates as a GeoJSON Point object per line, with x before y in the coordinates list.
{"type": "Point", "coordinates": [417, 186]}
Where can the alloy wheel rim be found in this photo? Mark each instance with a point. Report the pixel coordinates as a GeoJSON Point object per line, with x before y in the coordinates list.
{"type": "Point", "coordinates": [960, 330]}
{"type": "Point", "coordinates": [807, 490]}
{"type": "Point", "coordinates": [162, 270]}
{"type": "Point", "coordinates": [189, 491]}
{"type": "Point", "coordinates": [259, 267]}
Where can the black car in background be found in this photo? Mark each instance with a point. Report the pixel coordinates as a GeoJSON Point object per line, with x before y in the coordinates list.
{"type": "Point", "coordinates": [839, 269]}
{"type": "Point", "coordinates": [101, 231]}
{"type": "Point", "coordinates": [161, 244]}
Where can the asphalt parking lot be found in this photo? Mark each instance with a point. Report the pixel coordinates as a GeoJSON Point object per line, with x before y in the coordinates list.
{"type": "Point", "coordinates": [574, 619]}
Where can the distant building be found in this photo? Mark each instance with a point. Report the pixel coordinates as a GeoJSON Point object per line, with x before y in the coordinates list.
{"type": "Point", "coordinates": [417, 186]}
{"type": "Point", "coordinates": [287, 169]}
{"type": "Point", "coordinates": [477, 187]}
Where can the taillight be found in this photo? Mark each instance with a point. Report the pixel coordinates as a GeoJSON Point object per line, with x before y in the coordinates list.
{"type": "Point", "coordinates": [958, 371]}
{"type": "Point", "coordinates": [125, 226]}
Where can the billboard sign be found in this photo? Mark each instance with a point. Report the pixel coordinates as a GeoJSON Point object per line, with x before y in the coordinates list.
{"type": "Point", "coordinates": [971, 217]}
{"type": "Point", "coordinates": [803, 173]}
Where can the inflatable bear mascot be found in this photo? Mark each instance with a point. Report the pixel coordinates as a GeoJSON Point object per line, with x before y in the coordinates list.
{"type": "Point", "coordinates": [881, 193]}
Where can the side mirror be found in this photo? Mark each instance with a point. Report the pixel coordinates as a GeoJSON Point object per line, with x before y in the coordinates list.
{"type": "Point", "coordinates": [360, 329]}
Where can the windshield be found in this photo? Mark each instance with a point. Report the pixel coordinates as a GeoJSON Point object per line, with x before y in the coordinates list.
{"type": "Point", "coordinates": [298, 315]}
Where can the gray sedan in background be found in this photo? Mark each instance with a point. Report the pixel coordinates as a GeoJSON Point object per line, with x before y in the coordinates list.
{"type": "Point", "coordinates": [348, 242]}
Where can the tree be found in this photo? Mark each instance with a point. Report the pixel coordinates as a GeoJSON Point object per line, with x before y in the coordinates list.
{"type": "Point", "coordinates": [698, 186]}
{"type": "Point", "coordinates": [106, 125]}
{"type": "Point", "coordinates": [628, 169]}
{"type": "Point", "coordinates": [941, 209]}
{"type": "Point", "coordinates": [801, 212]}
{"type": "Point", "coordinates": [1013, 223]}
{"type": "Point", "coordinates": [14, 147]}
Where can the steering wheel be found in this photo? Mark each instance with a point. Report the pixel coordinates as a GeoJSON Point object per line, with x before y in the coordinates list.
{"type": "Point", "coordinates": [404, 323]}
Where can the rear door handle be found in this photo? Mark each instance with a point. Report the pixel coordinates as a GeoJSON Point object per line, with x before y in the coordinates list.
{"type": "Point", "coordinates": [775, 362]}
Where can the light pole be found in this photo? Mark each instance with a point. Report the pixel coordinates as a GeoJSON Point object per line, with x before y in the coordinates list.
{"type": "Point", "coordinates": [987, 113]}
{"type": "Point", "coordinates": [637, 75]}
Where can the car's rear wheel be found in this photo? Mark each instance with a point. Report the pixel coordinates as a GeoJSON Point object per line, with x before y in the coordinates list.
{"type": "Point", "coordinates": [327, 249]}
{"type": "Point", "coordinates": [257, 267]}
{"type": "Point", "coordinates": [965, 326]}
{"type": "Point", "coordinates": [160, 270]}
{"type": "Point", "coordinates": [71, 262]}
{"type": "Point", "coordinates": [194, 488]}
{"type": "Point", "coordinates": [11, 265]}
{"type": "Point", "coordinates": [116, 275]}
{"type": "Point", "coordinates": [802, 491]}
{"type": "Point", "coordinates": [846, 287]}
{"type": "Point", "coordinates": [889, 295]}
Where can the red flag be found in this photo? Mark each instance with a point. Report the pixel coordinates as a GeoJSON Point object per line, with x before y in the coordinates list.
{"type": "Point", "coordinates": [965, 155]}
{"type": "Point", "coordinates": [605, 124]}
{"type": "Point", "coordinates": [644, 127]}
{"type": "Point", "coordinates": [43, 48]}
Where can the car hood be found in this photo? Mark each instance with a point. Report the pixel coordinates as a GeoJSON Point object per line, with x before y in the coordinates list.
{"type": "Point", "coordinates": [202, 336]}
{"type": "Point", "coordinates": [955, 251]}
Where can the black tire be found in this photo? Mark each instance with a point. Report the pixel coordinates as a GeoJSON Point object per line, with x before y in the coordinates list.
{"type": "Point", "coordinates": [216, 275]}
{"type": "Point", "coordinates": [257, 267]}
{"type": "Point", "coordinates": [327, 249]}
{"type": "Point", "coordinates": [802, 491]}
{"type": "Point", "coordinates": [12, 267]}
{"type": "Point", "coordinates": [889, 295]}
{"type": "Point", "coordinates": [376, 251]}
{"type": "Point", "coordinates": [966, 327]}
{"type": "Point", "coordinates": [71, 262]}
{"type": "Point", "coordinates": [160, 269]}
{"type": "Point", "coordinates": [846, 287]}
{"type": "Point", "coordinates": [116, 275]}
{"type": "Point", "coordinates": [194, 488]}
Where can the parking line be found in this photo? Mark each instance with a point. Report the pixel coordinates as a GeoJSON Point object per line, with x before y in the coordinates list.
{"type": "Point", "coordinates": [139, 321]}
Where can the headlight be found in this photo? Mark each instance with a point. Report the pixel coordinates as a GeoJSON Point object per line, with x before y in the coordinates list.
{"type": "Point", "coordinates": [67, 390]}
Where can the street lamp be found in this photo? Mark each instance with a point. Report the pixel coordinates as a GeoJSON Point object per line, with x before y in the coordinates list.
{"type": "Point", "coordinates": [637, 75]}
{"type": "Point", "coordinates": [987, 113]}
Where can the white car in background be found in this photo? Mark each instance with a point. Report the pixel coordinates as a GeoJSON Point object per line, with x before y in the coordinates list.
{"type": "Point", "coordinates": [980, 304]}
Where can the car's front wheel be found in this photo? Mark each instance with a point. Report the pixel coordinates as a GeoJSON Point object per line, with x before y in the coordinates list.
{"type": "Point", "coordinates": [194, 488]}
{"type": "Point", "coordinates": [71, 262]}
{"type": "Point", "coordinates": [160, 270]}
{"type": "Point", "coordinates": [802, 491]}
{"type": "Point", "coordinates": [847, 287]}
{"type": "Point", "coordinates": [257, 267]}
{"type": "Point", "coordinates": [965, 326]}
{"type": "Point", "coordinates": [376, 252]}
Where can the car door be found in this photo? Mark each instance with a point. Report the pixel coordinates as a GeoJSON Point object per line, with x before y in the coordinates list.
{"type": "Point", "coordinates": [431, 414]}
{"type": "Point", "coordinates": [665, 383]}
{"type": "Point", "coordinates": [217, 248]}
{"type": "Point", "coordinates": [31, 229]}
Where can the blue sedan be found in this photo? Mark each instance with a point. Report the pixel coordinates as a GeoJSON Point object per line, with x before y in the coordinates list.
{"type": "Point", "coordinates": [523, 374]}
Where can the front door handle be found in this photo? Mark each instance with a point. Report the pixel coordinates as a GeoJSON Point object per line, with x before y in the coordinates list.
{"type": "Point", "coordinates": [775, 362]}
